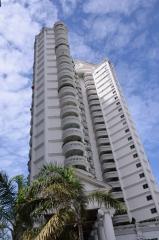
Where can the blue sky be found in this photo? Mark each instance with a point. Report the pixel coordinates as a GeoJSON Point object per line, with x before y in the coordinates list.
{"type": "Point", "coordinates": [124, 31]}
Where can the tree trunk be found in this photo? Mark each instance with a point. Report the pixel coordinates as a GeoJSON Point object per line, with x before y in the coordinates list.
{"type": "Point", "coordinates": [80, 231]}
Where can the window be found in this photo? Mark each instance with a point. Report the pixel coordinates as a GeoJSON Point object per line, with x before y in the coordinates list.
{"type": "Point", "coordinates": [119, 109]}
{"type": "Point", "coordinates": [149, 197]}
{"type": "Point", "coordinates": [132, 146]}
{"type": "Point", "coordinates": [145, 186]}
{"type": "Point", "coordinates": [118, 103]}
{"type": "Point", "coordinates": [115, 97]}
{"type": "Point", "coordinates": [138, 165]}
{"type": "Point", "coordinates": [124, 123]}
{"type": "Point", "coordinates": [135, 155]}
{"type": "Point", "coordinates": [129, 138]}
{"type": "Point", "coordinates": [114, 92]}
{"type": "Point", "coordinates": [141, 175]}
{"type": "Point", "coordinates": [127, 130]}
{"type": "Point", "coordinates": [122, 116]}
{"type": "Point", "coordinates": [153, 210]}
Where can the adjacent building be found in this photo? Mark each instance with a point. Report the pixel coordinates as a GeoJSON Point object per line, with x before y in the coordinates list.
{"type": "Point", "coordinates": [80, 118]}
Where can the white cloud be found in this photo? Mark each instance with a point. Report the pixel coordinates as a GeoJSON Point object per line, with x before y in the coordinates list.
{"type": "Point", "coordinates": [68, 6]}
{"type": "Point", "coordinates": [113, 6]}
{"type": "Point", "coordinates": [80, 49]}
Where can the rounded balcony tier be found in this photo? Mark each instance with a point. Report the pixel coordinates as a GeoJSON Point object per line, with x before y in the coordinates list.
{"type": "Point", "coordinates": [59, 24]}
{"type": "Point", "coordinates": [97, 120]}
{"type": "Point", "coordinates": [70, 122]}
{"type": "Point", "coordinates": [67, 90]}
{"type": "Point", "coordinates": [90, 87]}
{"type": "Point", "coordinates": [92, 97]}
{"type": "Point", "coordinates": [69, 100]}
{"type": "Point", "coordinates": [65, 74]}
{"type": "Point", "coordinates": [103, 149]}
{"type": "Point", "coordinates": [62, 50]}
{"type": "Point", "coordinates": [64, 59]}
{"type": "Point", "coordinates": [95, 108]}
{"type": "Point", "coordinates": [73, 148]}
{"type": "Point", "coordinates": [66, 82]}
{"type": "Point", "coordinates": [106, 157]}
{"type": "Point", "coordinates": [69, 111]}
{"type": "Point", "coordinates": [65, 66]}
{"type": "Point", "coordinates": [102, 141]}
{"type": "Point", "coordinates": [108, 175]}
{"type": "Point", "coordinates": [76, 160]}
{"type": "Point", "coordinates": [99, 126]}
{"type": "Point", "coordinates": [72, 134]}
{"type": "Point", "coordinates": [94, 102]}
{"type": "Point", "coordinates": [108, 165]}
{"type": "Point", "coordinates": [89, 82]}
{"type": "Point", "coordinates": [90, 91]}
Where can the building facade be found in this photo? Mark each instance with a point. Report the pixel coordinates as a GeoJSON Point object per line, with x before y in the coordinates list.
{"type": "Point", "coordinates": [80, 118]}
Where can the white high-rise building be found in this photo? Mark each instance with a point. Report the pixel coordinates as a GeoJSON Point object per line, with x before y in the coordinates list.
{"type": "Point", "coordinates": [80, 118]}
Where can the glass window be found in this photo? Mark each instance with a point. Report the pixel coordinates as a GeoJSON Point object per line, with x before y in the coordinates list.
{"type": "Point", "coordinates": [145, 186]}
{"type": "Point", "coordinates": [138, 165]}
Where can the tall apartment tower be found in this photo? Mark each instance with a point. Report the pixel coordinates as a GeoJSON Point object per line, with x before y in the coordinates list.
{"type": "Point", "coordinates": [80, 118]}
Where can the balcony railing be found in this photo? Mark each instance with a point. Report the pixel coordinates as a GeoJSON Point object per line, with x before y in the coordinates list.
{"type": "Point", "coordinates": [76, 160]}
{"type": "Point", "coordinates": [70, 121]}
{"type": "Point", "coordinates": [69, 111]}
{"type": "Point", "coordinates": [67, 91]}
{"type": "Point", "coordinates": [71, 133]}
{"type": "Point", "coordinates": [73, 147]}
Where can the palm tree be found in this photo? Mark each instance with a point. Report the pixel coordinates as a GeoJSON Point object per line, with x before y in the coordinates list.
{"type": "Point", "coordinates": [57, 202]}
{"type": "Point", "coordinates": [11, 194]}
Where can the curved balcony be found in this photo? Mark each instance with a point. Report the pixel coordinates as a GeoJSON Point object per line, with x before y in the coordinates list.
{"type": "Point", "coordinates": [100, 133]}
{"type": "Point", "coordinates": [94, 102]}
{"type": "Point", "coordinates": [60, 41]}
{"type": "Point", "coordinates": [76, 160]}
{"type": "Point", "coordinates": [99, 127]}
{"type": "Point", "coordinates": [92, 97]}
{"type": "Point", "coordinates": [120, 219]}
{"type": "Point", "coordinates": [69, 100]}
{"type": "Point", "coordinates": [62, 50]}
{"type": "Point", "coordinates": [89, 82]}
{"type": "Point", "coordinates": [90, 91]}
{"type": "Point", "coordinates": [64, 59]}
{"type": "Point", "coordinates": [108, 165]}
{"type": "Point", "coordinates": [66, 82]}
{"type": "Point", "coordinates": [69, 111]}
{"type": "Point", "coordinates": [95, 108]}
{"type": "Point", "coordinates": [108, 175]}
{"type": "Point", "coordinates": [97, 113]}
{"type": "Point", "coordinates": [72, 134]}
{"type": "Point", "coordinates": [59, 25]}
{"type": "Point", "coordinates": [65, 74]}
{"type": "Point", "coordinates": [98, 119]}
{"type": "Point", "coordinates": [90, 87]}
{"type": "Point", "coordinates": [70, 122]}
{"type": "Point", "coordinates": [73, 148]}
{"type": "Point", "coordinates": [67, 90]}
{"type": "Point", "coordinates": [88, 77]}
{"type": "Point", "coordinates": [105, 157]}
{"type": "Point", "coordinates": [115, 184]}
{"type": "Point", "coordinates": [117, 194]}
{"type": "Point", "coordinates": [102, 141]}
{"type": "Point", "coordinates": [103, 149]}
{"type": "Point", "coordinates": [65, 66]}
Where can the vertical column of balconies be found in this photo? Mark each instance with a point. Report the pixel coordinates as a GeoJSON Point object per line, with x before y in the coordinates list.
{"type": "Point", "coordinates": [84, 126]}
{"type": "Point", "coordinates": [104, 148]}
{"type": "Point", "coordinates": [73, 145]}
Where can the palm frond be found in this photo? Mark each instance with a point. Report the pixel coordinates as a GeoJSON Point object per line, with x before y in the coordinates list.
{"type": "Point", "coordinates": [106, 199]}
{"type": "Point", "coordinates": [54, 226]}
